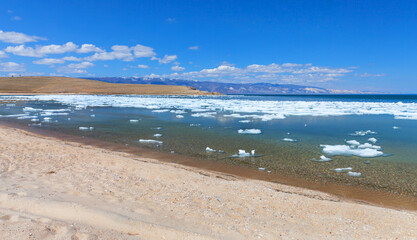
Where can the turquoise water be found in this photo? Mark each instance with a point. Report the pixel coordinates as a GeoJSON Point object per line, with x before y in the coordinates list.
{"type": "Point", "coordinates": [311, 121]}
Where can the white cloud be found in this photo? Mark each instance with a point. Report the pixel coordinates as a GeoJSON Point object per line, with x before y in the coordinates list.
{"type": "Point", "coordinates": [193, 48]}
{"type": "Point", "coordinates": [166, 59]}
{"type": "Point", "coordinates": [142, 66]}
{"type": "Point", "coordinates": [3, 54]}
{"type": "Point", "coordinates": [143, 51]}
{"type": "Point", "coordinates": [72, 59]}
{"type": "Point", "coordinates": [49, 61]}
{"type": "Point", "coordinates": [177, 68]}
{"type": "Point", "coordinates": [75, 68]}
{"type": "Point", "coordinates": [12, 67]}
{"type": "Point", "coordinates": [18, 38]}
{"type": "Point", "coordinates": [87, 48]}
{"type": "Point", "coordinates": [273, 73]}
{"type": "Point", "coordinates": [41, 51]}
{"type": "Point", "coordinates": [372, 75]}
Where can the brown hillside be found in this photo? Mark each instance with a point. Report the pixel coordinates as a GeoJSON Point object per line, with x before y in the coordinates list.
{"type": "Point", "coordinates": [65, 85]}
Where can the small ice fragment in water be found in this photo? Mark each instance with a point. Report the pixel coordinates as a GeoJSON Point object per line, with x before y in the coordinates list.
{"type": "Point", "coordinates": [372, 140]}
{"type": "Point", "coordinates": [305, 125]}
{"type": "Point", "coordinates": [85, 128]}
{"type": "Point", "coordinates": [249, 131]}
{"type": "Point", "coordinates": [341, 170]}
{"type": "Point", "coordinates": [179, 116]}
{"type": "Point", "coordinates": [289, 140]}
{"type": "Point", "coordinates": [322, 159]}
{"type": "Point", "coordinates": [194, 124]}
{"type": "Point", "coordinates": [261, 169]}
{"type": "Point", "coordinates": [133, 120]}
{"type": "Point", "coordinates": [362, 133]}
{"type": "Point", "coordinates": [157, 128]}
{"type": "Point", "coordinates": [354, 174]}
{"type": "Point", "coordinates": [252, 152]}
{"type": "Point", "coordinates": [353, 142]}
{"type": "Point", "coordinates": [210, 150]}
{"type": "Point", "coordinates": [157, 135]}
{"type": "Point", "coordinates": [92, 115]}
{"type": "Point", "coordinates": [245, 121]}
{"type": "Point", "coordinates": [149, 141]}
{"type": "Point", "coordinates": [395, 127]}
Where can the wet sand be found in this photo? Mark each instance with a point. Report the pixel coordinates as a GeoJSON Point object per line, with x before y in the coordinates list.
{"type": "Point", "coordinates": [52, 189]}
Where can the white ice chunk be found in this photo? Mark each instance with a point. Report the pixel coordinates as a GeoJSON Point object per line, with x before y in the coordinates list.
{"type": "Point", "coordinates": [341, 170]}
{"type": "Point", "coordinates": [92, 115]}
{"type": "Point", "coordinates": [157, 135]}
{"type": "Point", "coordinates": [179, 116]}
{"type": "Point", "coordinates": [354, 174]}
{"type": "Point", "coordinates": [245, 121]}
{"type": "Point", "coordinates": [395, 127]}
{"type": "Point", "coordinates": [249, 131]}
{"type": "Point", "coordinates": [85, 128]}
{"type": "Point", "coordinates": [289, 140]}
{"type": "Point", "coordinates": [345, 150]}
{"type": "Point", "coordinates": [160, 110]}
{"type": "Point", "coordinates": [372, 140]}
{"type": "Point", "coordinates": [133, 120]}
{"type": "Point", "coordinates": [210, 150]}
{"type": "Point", "coordinates": [362, 133]}
{"type": "Point", "coordinates": [149, 141]}
{"type": "Point", "coordinates": [353, 142]}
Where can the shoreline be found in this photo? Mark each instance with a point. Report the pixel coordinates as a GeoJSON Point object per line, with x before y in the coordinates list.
{"type": "Point", "coordinates": [344, 192]}
{"type": "Point", "coordinates": [341, 191]}
{"type": "Point", "coordinates": [78, 190]}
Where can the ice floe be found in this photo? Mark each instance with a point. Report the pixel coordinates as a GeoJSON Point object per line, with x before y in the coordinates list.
{"type": "Point", "coordinates": [149, 141]}
{"type": "Point", "coordinates": [362, 133]}
{"type": "Point", "coordinates": [209, 106]}
{"type": "Point", "coordinates": [395, 127]}
{"type": "Point", "coordinates": [249, 131]}
{"type": "Point", "coordinates": [179, 116]}
{"type": "Point", "coordinates": [289, 140]}
{"type": "Point", "coordinates": [322, 159]}
{"type": "Point", "coordinates": [133, 120]}
{"type": "Point", "coordinates": [353, 142]}
{"type": "Point", "coordinates": [354, 174]}
{"type": "Point", "coordinates": [245, 121]}
{"type": "Point", "coordinates": [208, 149]}
{"type": "Point", "coordinates": [346, 150]}
{"type": "Point", "coordinates": [86, 128]}
{"type": "Point", "coordinates": [372, 140]}
{"type": "Point", "coordinates": [342, 170]}
{"type": "Point", "coordinates": [157, 135]}
{"type": "Point", "coordinates": [243, 153]}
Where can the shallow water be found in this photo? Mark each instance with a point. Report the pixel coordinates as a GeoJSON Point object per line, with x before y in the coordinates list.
{"type": "Point", "coordinates": [189, 130]}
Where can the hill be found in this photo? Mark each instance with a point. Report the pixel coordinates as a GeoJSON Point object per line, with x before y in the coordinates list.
{"type": "Point", "coordinates": [47, 85]}
{"type": "Point", "coordinates": [228, 88]}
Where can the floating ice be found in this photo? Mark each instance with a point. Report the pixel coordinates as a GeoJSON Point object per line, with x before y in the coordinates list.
{"type": "Point", "coordinates": [265, 110]}
{"type": "Point", "coordinates": [204, 114]}
{"type": "Point", "coordinates": [243, 153]}
{"type": "Point", "coordinates": [160, 110]}
{"type": "Point", "coordinates": [210, 150]}
{"type": "Point", "coordinates": [178, 111]}
{"type": "Point", "coordinates": [157, 135]}
{"type": "Point", "coordinates": [261, 169]}
{"type": "Point", "coordinates": [372, 140]}
{"type": "Point", "coordinates": [92, 115]}
{"type": "Point", "coordinates": [353, 142]}
{"type": "Point", "coordinates": [322, 159]}
{"type": "Point", "coordinates": [341, 170]}
{"type": "Point", "coordinates": [289, 140]}
{"type": "Point", "coordinates": [354, 174]}
{"type": "Point", "coordinates": [35, 120]}
{"type": "Point", "coordinates": [149, 141]}
{"type": "Point", "coordinates": [249, 131]}
{"type": "Point", "coordinates": [362, 133]}
{"type": "Point", "coordinates": [27, 117]}
{"type": "Point", "coordinates": [345, 150]}
{"type": "Point", "coordinates": [395, 127]}
{"type": "Point", "coordinates": [31, 109]}
{"type": "Point", "coordinates": [85, 128]}
{"type": "Point", "coordinates": [133, 120]}
{"type": "Point", "coordinates": [368, 145]}
{"type": "Point", "coordinates": [179, 116]}
{"type": "Point", "coordinates": [245, 121]}
{"type": "Point", "coordinates": [194, 124]}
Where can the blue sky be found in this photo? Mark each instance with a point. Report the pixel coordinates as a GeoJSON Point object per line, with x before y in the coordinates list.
{"type": "Point", "coordinates": [355, 45]}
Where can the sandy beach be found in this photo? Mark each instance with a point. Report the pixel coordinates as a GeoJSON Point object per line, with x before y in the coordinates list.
{"type": "Point", "coordinates": [51, 189]}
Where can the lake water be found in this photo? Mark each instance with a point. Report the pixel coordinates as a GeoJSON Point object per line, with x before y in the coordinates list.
{"type": "Point", "coordinates": [365, 140]}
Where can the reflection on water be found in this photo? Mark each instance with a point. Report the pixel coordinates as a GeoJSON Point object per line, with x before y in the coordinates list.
{"type": "Point", "coordinates": [184, 134]}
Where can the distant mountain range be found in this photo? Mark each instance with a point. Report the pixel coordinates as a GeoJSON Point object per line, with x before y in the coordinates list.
{"type": "Point", "coordinates": [228, 88]}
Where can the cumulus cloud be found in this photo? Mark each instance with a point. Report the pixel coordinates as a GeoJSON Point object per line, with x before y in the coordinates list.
{"type": "Point", "coordinates": [177, 68]}
{"type": "Point", "coordinates": [3, 55]}
{"type": "Point", "coordinates": [12, 67]}
{"type": "Point", "coordinates": [72, 59]}
{"type": "Point", "coordinates": [75, 68]}
{"type": "Point", "coordinates": [371, 75]}
{"type": "Point", "coordinates": [142, 66]}
{"type": "Point", "coordinates": [41, 51]}
{"type": "Point", "coordinates": [193, 48]}
{"type": "Point", "coordinates": [166, 59]}
{"type": "Point", "coordinates": [18, 38]}
{"type": "Point", "coordinates": [287, 72]}
{"type": "Point", "coordinates": [49, 61]}
{"type": "Point", "coordinates": [87, 48]}
{"type": "Point", "coordinates": [141, 51]}
{"type": "Point", "coordinates": [124, 53]}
